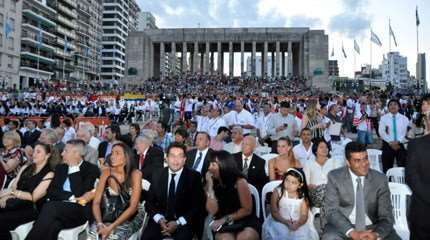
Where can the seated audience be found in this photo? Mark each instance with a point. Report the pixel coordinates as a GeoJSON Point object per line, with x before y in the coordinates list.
{"type": "Point", "coordinates": [285, 160]}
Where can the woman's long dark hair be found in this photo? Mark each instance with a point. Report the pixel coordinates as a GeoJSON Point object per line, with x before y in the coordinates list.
{"type": "Point", "coordinates": [303, 190]}
{"type": "Point", "coordinates": [52, 162]}
{"type": "Point", "coordinates": [228, 170]}
{"type": "Point", "coordinates": [129, 166]}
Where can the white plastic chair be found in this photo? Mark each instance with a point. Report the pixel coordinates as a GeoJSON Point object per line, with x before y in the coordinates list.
{"type": "Point", "coordinates": [262, 150]}
{"type": "Point", "coordinates": [268, 188]}
{"type": "Point", "coordinates": [396, 175]}
{"type": "Point", "coordinates": [399, 195]}
{"type": "Point", "coordinates": [21, 232]}
{"type": "Point", "coordinates": [4, 182]}
{"type": "Point", "coordinates": [145, 186]}
{"type": "Point", "coordinates": [268, 157]}
{"type": "Point", "coordinates": [375, 159]}
{"type": "Point", "coordinates": [73, 233]}
{"type": "Point", "coordinates": [254, 192]}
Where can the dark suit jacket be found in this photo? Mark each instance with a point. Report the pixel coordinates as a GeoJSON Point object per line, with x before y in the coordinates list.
{"type": "Point", "coordinates": [256, 173]}
{"type": "Point", "coordinates": [188, 195]}
{"type": "Point", "coordinates": [191, 157]}
{"type": "Point", "coordinates": [80, 182]}
{"type": "Point", "coordinates": [339, 201]}
{"type": "Point", "coordinates": [154, 160]}
{"type": "Point", "coordinates": [30, 138]}
{"type": "Point", "coordinates": [418, 178]}
{"type": "Point", "coordinates": [102, 149]}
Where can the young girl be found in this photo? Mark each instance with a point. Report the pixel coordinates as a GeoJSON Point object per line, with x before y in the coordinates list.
{"type": "Point", "coordinates": [290, 216]}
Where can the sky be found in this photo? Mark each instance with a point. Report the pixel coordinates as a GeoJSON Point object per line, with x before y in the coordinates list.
{"type": "Point", "coordinates": [342, 20]}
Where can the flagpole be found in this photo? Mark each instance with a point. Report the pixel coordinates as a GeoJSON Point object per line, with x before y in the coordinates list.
{"type": "Point", "coordinates": [417, 23]}
{"type": "Point", "coordinates": [370, 70]}
{"type": "Point", "coordinates": [83, 67]}
{"type": "Point", "coordinates": [389, 34]}
{"type": "Point", "coordinates": [354, 62]}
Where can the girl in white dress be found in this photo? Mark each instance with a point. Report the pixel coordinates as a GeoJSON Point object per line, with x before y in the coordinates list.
{"type": "Point", "coordinates": [290, 218]}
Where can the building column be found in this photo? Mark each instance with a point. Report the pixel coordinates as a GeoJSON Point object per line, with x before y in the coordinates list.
{"type": "Point", "coordinates": [206, 60]}
{"type": "Point", "coordinates": [283, 64]}
{"type": "Point", "coordinates": [195, 56]}
{"type": "Point", "coordinates": [254, 47]}
{"type": "Point", "coordinates": [173, 59]}
{"type": "Point", "coordinates": [272, 59]}
{"type": "Point", "coordinates": [184, 67]}
{"type": "Point", "coordinates": [162, 60]}
{"type": "Point", "coordinates": [290, 58]}
{"type": "Point", "coordinates": [278, 59]}
{"type": "Point", "coordinates": [230, 62]}
{"type": "Point", "coordinates": [219, 67]}
{"type": "Point", "coordinates": [242, 58]}
{"type": "Point", "coordinates": [212, 63]}
{"type": "Point", "coordinates": [264, 60]}
{"type": "Point", "coordinates": [201, 63]}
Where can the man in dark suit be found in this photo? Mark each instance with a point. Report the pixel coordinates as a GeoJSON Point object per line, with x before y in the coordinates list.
{"type": "Point", "coordinates": [251, 165]}
{"type": "Point", "coordinates": [69, 194]}
{"type": "Point", "coordinates": [31, 135]}
{"type": "Point", "coordinates": [418, 179]}
{"type": "Point", "coordinates": [198, 159]}
{"type": "Point", "coordinates": [113, 133]}
{"type": "Point", "coordinates": [149, 158]}
{"type": "Point", "coordinates": [357, 200]}
{"type": "Point", "coordinates": [173, 196]}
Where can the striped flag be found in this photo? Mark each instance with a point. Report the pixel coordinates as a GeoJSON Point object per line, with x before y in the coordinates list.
{"type": "Point", "coordinates": [392, 35]}
{"type": "Point", "coordinates": [8, 28]}
{"type": "Point", "coordinates": [39, 35]}
{"type": "Point", "coordinates": [416, 15]}
{"type": "Point", "coordinates": [356, 47]}
{"type": "Point", "coordinates": [374, 38]}
{"type": "Point", "coordinates": [86, 52]}
{"type": "Point", "coordinates": [343, 51]}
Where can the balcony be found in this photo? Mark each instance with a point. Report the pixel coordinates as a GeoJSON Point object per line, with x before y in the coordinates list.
{"type": "Point", "coordinates": [84, 9]}
{"type": "Point", "coordinates": [32, 54]}
{"type": "Point", "coordinates": [70, 3]}
{"type": "Point", "coordinates": [66, 22]}
{"type": "Point", "coordinates": [33, 27]}
{"type": "Point", "coordinates": [36, 14]}
{"type": "Point", "coordinates": [69, 34]}
{"type": "Point", "coordinates": [71, 13]}
{"type": "Point", "coordinates": [67, 65]}
{"type": "Point", "coordinates": [32, 39]}
{"type": "Point", "coordinates": [32, 66]}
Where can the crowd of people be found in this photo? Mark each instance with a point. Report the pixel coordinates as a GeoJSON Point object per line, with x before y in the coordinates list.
{"type": "Point", "coordinates": [200, 155]}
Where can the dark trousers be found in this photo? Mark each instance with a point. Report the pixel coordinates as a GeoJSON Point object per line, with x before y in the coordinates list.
{"type": "Point", "coordinates": [11, 219]}
{"type": "Point", "coordinates": [153, 232]}
{"type": "Point", "coordinates": [418, 219]}
{"type": "Point", "coordinates": [54, 217]}
{"type": "Point", "coordinates": [389, 154]}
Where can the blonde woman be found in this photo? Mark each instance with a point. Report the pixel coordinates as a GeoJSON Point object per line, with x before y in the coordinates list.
{"type": "Point", "coordinates": [12, 157]}
{"type": "Point", "coordinates": [313, 121]}
{"type": "Point", "coordinates": [285, 160]}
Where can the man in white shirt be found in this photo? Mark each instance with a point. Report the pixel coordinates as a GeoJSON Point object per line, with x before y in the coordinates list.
{"type": "Point", "coordinates": [244, 118]}
{"type": "Point", "coordinates": [70, 132]}
{"type": "Point", "coordinates": [282, 124]}
{"type": "Point", "coordinates": [303, 151]}
{"type": "Point", "coordinates": [235, 145]}
{"type": "Point", "coordinates": [393, 128]}
{"type": "Point", "coordinates": [215, 121]}
{"type": "Point", "coordinates": [357, 200]}
{"type": "Point", "coordinates": [263, 124]}
{"type": "Point", "coordinates": [229, 116]}
{"type": "Point", "coordinates": [203, 119]}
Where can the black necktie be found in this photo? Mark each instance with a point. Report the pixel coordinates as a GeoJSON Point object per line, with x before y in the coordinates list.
{"type": "Point", "coordinates": [245, 167]}
{"type": "Point", "coordinates": [171, 199]}
{"type": "Point", "coordinates": [197, 162]}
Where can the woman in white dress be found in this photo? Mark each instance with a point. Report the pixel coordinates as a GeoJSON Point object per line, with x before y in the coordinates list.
{"type": "Point", "coordinates": [290, 218]}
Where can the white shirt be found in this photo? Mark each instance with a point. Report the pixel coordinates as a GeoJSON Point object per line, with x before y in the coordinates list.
{"type": "Point", "coordinates": [229, 118]}
{"type": "Point", "coordinates": [202, 123]}
{"type": "Point", "coordinates": [69, 134]}
{"type": "Point", "coordinates": [233, 148]}
{"type": "Point", "coordinates": [263, 123]}
{"type": "Point", "coordinates": [386, 127]}
{"type": "Point", "coordinates": [303, 155]}
{"type": "Point", "coordinates": [278, 120]}
{"type": "Point", "coordinates": [244, 118]}
{"type": "Point", "coordinates": [354, 185]}
{"type": "Point", "coordinates": [189, 105]}
{"type": "Point", "coordinates": [200, 166]}
{"type": "Point", "coordinates": [248, 161]}
{"type": "Point", "coordinates": [213, 124]}
{"type": "Point", "coordinates": [94, 142]}
{"type": "Point", "coordinates": [315, 173]}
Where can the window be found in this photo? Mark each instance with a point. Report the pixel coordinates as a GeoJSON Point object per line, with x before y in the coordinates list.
{"type": "Point", "coordinates": [1, 39]}
{"type": "Point", "coordinates": [1, 55]}
{"type": "Point", "coordinates": [1, 15]}
{"type": "Point", "coordinates": [13, 5]}
{"type": "Point", "coordinates": [10, 43]}
{"type": "Point", "coordinates": [10, 62]}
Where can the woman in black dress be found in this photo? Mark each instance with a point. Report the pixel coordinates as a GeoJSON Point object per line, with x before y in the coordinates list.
{"type": "Point", "coordinates": [20, 203]}
{"type": "Point", "coordinates": [229, 200]}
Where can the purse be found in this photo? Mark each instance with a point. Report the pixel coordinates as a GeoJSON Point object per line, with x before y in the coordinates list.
{"type": "Point", "coordinates": [114, 205]}
{"type": "Point", "coordinates": [236, 226]}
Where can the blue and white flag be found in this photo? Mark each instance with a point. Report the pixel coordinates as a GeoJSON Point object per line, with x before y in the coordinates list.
{"type": "Point", "coordinates": [86, 49]}
{"type": "Point", "coordinates": [343, 51]}
{"type": "Point", "coordinates": [356, 47]}
{"type": "Point", "coordinates": [8, 28]}
{"type": "Point", "coordinates": [39, 36]}
{"type": "Point", "coordinates": [392, 35]}
{"type": "Point", "coordinates": [374, 38]}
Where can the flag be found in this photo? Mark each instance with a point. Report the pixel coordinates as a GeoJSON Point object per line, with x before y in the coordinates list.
{"type": "Point", "coordinates": [343, 51]}
{"type": "Point", "coordinates": [392, 35]}
{"type": "Point", "coordinates": [332, 52]}
{"type": "Point", "coordinates": [416, 15]}
{"type": "Point", "coordinates": [374, 38]}
{"type": "Point", "coordinates": [39, 36]}
{"type": "Point", "coordinates": [8, 27]}
{"type": "Point", "coordinates": [86, 52]}
{"type": "Point", "coordinates": [356, 47]}
{"type": "Point", "coordinates": [66, 43]}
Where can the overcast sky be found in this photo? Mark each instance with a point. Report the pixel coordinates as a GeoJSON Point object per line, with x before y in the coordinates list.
{"type": "Point", "coordinates": [343, 20]}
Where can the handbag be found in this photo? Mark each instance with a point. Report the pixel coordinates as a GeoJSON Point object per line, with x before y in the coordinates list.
{"type": "Point", "coordinates": [317, 195]}
{"type": "Point", "coordinates": [114, 205]}
{"type": "Point", "coordinates": [236, 226]}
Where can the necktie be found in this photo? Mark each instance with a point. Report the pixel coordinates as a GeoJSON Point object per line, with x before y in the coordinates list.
{"type": "Point", "coordinates": [245, 167]}
{"type": "Point", "coordinates": [360, 212]}
{"type": "Point", "coordinates": [394, 128]}
{"type": "Point", "coordinates": [171, 199]}
{"type": "Point", "coordinates": [197, 162]}
{"type": "Point", "coordinates": [66, 185]}
{"type": "Point", "coordinates": [141, 160]}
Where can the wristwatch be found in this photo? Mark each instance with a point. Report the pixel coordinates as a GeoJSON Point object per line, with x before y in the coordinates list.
{"type": "Point", "coordinates": [178, 223]}
{"type": "Point", "coordinates": [228, 219]}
